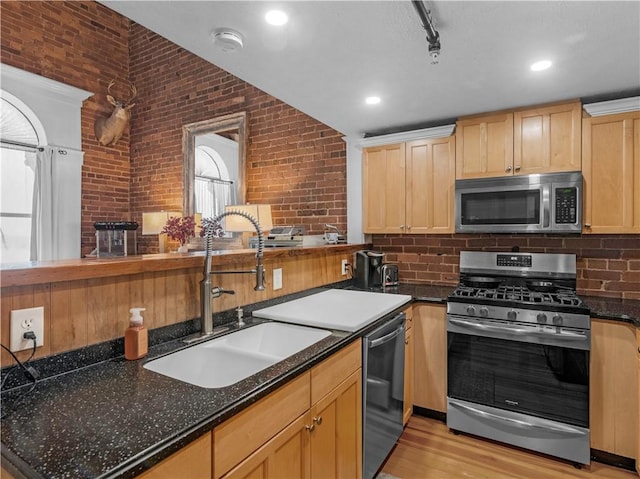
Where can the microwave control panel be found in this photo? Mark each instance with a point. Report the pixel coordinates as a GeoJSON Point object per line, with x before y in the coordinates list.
{"type": "Point", "coordinates": [566, 205]}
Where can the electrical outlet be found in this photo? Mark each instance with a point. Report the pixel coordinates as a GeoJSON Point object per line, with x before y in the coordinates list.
{"type": "Point", "coordinates": [23, 321]}
{"type": "Point", "coordinates": [277, 278]}
{"type": "Point", "coordinates": [345, 264]}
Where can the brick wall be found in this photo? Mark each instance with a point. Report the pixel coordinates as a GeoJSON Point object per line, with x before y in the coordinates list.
{"type": "Point", "coordinates": [294, 162]}
{"type": "Point", "coordinates": [608, 265]}
{"type": "Point", "coordinates": [83, 44]}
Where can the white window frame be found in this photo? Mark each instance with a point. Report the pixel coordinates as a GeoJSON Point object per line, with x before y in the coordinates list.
{"type": "Point", "coordinates": [57, 107]}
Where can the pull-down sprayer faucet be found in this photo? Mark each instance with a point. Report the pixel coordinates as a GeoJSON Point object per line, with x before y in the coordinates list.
{"type": "Point", "coordinates": [207, 291]}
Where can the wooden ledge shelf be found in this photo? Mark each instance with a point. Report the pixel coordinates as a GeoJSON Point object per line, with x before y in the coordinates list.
{"type": "Point", "coordinates": [21, 274]}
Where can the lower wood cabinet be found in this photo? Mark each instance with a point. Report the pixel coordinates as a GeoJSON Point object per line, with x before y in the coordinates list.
{"type": "Point", "coordinates": [614, 388]}
{"type": "Point", "coordinates": [408, 368]}
{"type": "Point", "coordinates": [324, 440]}
{"type": "Point", "coordinates": [430, 346]}
{"type": "Point", "coordinates": [191, 462]}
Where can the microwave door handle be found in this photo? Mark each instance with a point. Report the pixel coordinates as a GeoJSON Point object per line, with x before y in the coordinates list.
{"type": "Point", "coordinates": [546, 203]}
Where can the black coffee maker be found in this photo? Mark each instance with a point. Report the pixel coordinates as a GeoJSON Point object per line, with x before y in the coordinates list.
{"type": "Point", "coordinates": [368, 269]}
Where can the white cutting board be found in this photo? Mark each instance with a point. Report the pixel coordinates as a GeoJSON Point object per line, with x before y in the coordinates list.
{"type": "Point", "coordinates": [340, 309]}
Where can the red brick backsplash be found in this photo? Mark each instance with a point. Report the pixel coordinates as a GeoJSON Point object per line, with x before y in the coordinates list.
{"type": "Point", "coordinates": [608, 265]}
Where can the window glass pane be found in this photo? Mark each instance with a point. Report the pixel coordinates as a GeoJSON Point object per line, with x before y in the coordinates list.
{"type": "Point", "coordinates": [15, 127]}
{"type": "Point", "coordinates": [16, 197]}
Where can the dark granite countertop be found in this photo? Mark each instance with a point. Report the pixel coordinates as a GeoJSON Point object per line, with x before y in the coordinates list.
{"type": "Point", "coordinates": [117, 419]}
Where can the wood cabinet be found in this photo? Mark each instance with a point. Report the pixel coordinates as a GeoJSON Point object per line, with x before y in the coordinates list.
{"type": "Point", "coordinates": [383, 189]}
{"type": "Point", "coordinates": [614, 388]}
{"type": "Point", "coordinates": [409, 187]}
{"type": "Point", "coordinates": [274, 439]}
{"type": "Point", "coordinates": [484, 146]}
{"type": "Point", "coordinates": [544, 139]}
{"type": "Point", "coordinates": [408, 368]}
{"type": "Point", "coordinates": [611, 171]}
{"type": "Point", "coordinates": [190, 462]}
{"type": "Point", "coordinates": [430, 366]}
{"type": "Point", "coordinates": [547, 139]}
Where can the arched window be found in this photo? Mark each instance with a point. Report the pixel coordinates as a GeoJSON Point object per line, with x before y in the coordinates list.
{"type": "Point", "coordinates": [42, 117]}
{"type": "Point", "coordinates": [213, 188]}
{"type": "Point", "coordinates": [19, 141]}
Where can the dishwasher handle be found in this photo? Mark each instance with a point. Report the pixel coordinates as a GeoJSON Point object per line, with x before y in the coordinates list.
{"type": "Point", "coordinates": [386, 338]}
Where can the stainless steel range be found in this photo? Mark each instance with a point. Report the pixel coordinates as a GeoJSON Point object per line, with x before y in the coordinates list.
{"type": "Point", "coordinates": [518, 353]}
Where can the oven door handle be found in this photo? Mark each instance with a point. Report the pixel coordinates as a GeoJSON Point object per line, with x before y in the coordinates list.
{"type": "Point", "coordinates": [519, 423]}
{"type": "Point", "coordinates": [512, 329]}
{"type": "Point", "coordinates": [386, 338]}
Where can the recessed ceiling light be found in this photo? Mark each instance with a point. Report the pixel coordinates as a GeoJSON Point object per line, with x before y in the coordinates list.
{"type": "Point", "coordinates": [276, 17]}
{"type": "Point", "coordinates": [372, 100]}
{"type": "Point", "coordinates": [541, 65]}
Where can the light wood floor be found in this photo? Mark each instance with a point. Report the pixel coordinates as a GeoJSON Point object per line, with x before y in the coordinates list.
{"type": "Point", "coordinates": [428, 450]}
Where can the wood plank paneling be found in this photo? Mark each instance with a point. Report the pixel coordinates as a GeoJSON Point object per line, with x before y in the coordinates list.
{"type": "Point", "coordinates": [82, 312]}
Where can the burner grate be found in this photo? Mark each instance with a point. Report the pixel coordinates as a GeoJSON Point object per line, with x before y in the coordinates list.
{"type": "Point", "coordinates": [520, 294]}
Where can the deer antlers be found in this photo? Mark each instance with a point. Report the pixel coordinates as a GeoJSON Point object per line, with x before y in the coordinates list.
{"type": "Point", "coordinates": [109, 130]}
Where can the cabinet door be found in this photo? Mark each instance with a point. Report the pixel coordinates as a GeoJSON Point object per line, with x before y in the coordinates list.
{"type": "Point", "coordinates": [430, 186]}
{"type": "Point", "coordinates": [611, 170]}
{"type": "Point", "coordinates": [408, 376]}
{"type": "Point", "coordinates": [430, 363]}
{"type": "Point", "coordinates": [613, 408]}
{"type": "Point", "coordinates": [286, 455]}
{"type": "Point", "coordinates": [547, 139]}
{"type": "Point", "coordinates": [336, 438]}
{"type": "Point", "coordinates": [191, 462]}
{"type": "Point", "coordinates": [383, 189]}
{"type": "Point", "coordinates": [484, 146]}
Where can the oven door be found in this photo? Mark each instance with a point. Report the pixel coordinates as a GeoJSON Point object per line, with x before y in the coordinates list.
{"type": "Point", "coordinates": [540, 371]}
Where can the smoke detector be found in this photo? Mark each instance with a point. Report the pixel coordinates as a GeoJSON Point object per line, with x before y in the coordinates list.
{"type": "Point", "coordinates": [227, 40]}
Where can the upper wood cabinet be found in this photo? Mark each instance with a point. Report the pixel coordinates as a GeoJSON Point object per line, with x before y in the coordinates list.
{"type": "Point", "coordinates": [409, 187]}
{"type": "Point", "coordinates": [547, 139]}
{"type": "Point", "coordinates": [544, 139]}
{"type": "Point", "coordinates": [484, 146]}
{"type": "Point", "coordinates": [611, 171]}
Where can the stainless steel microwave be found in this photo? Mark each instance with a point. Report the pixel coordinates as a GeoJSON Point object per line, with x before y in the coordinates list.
{"type": "Point", "coordinates": [546, 203]}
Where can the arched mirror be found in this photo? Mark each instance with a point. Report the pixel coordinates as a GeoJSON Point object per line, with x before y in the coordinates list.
{"type": "Point", "coordinates": [214, 164]}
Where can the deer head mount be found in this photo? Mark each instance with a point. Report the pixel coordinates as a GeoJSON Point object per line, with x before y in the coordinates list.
{"type": "Point", "coordinates": [109, 130]}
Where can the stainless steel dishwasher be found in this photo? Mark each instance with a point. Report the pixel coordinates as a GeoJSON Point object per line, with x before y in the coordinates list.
{"type": "Point", "coordinates": [383, 392]}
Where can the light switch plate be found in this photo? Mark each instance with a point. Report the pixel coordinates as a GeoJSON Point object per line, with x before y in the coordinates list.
{"type": "Point", "coordinates": [25, 320]}
{"type": "Point", "coordinates": [277, 278]}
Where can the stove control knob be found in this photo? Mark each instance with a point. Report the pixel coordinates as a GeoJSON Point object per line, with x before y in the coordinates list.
{"type": "Point", "coordinates": [541, 317]}
{"type": "Point", "coordinates": [484, 312]}
{"type": "Point", "coordinates": [557, 319]}
{"type": "Point", "coordinates": [471, 311]}
{"type": "Point", "coordinates": [512, 315]}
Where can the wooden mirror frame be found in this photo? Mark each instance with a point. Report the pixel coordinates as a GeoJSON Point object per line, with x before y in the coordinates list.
{"type": "Point", "coordinates": [233, 121]}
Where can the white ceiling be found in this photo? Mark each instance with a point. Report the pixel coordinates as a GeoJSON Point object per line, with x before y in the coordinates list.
{"type": "Point", "coordinates": [332, 54]}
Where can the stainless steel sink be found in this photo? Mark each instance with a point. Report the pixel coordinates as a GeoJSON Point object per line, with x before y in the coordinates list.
{"type": "Point", "coordinates": [226, 360]}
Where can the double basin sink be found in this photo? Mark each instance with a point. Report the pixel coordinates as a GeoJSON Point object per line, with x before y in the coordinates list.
{"type": "Point", "coordinates": [226, 360]}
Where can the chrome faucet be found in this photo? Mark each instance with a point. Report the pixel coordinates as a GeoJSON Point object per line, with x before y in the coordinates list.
{"type": "Point", "coordinates": [209, 292]}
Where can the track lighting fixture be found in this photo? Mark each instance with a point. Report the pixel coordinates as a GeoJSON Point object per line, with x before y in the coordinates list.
{"type": "Point", "coordinates": [433, 37]}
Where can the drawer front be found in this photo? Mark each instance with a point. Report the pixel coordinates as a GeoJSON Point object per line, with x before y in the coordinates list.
{"type": "Point", "coordinates": [238, 437]}
{"type": "Point", "coordinates": [332, 371]}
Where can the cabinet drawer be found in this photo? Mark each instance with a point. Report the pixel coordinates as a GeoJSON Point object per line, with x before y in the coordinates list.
{"type": "Point", "coordinates": [238, 437]}
{"type": "Point", "coordinates": [191, 462]}
{"type": "Point", "coordinates": [332, 371]}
